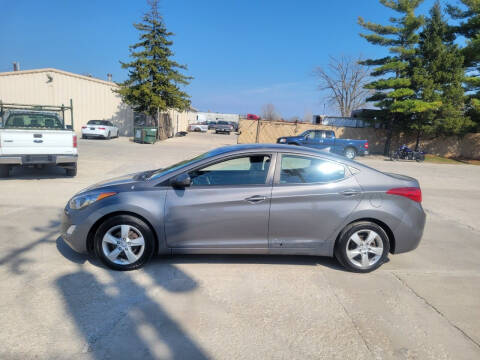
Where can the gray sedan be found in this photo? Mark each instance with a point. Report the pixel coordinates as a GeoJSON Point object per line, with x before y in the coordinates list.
{"type": "Point", "coordinates": [249, 199]}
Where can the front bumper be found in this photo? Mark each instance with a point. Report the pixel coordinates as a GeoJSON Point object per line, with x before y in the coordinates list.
{"type": "Point", "coordinates": [223, 130]}
{"type": "Point", "coordinates": [75, 235]}
{"type": "Point", "coordinates": [38, 159]}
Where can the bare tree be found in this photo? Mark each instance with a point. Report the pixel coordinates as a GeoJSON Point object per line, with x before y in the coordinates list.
{"type": "Point", "coordinates": [344, 78]}
{"type": "Point", "coordinates": [269, 112]}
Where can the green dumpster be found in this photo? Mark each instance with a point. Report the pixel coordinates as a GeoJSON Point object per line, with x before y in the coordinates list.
{"type": "Point", "coordinates": [145, 135]}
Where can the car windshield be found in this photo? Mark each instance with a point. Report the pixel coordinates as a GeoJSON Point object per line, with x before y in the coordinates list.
{"type": "Point", "coordinates": [164, 171]}
{"type": "Point", "coordinates": [33, 121]}
{"type": "Point", "coordinates": [222, 123]}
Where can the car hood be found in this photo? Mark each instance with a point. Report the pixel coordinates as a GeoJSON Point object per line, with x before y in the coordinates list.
{"type": "Point", "coordinates": [120, 180]}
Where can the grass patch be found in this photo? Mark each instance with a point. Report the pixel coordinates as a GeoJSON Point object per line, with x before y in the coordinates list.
{"type": "Point", "coordinates": [443, 160]}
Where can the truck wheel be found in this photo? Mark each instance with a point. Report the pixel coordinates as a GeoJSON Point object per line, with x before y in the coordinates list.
{"type": "Point", "coordinates": [350, 153]}
{"type": "Point", "coordinates": [72, 171]}
{"type": "Point", "coordinates": [4, 171]}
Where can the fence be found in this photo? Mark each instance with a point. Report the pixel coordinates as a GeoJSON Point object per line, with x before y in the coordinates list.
{"type": "Point", "coordinates": [252, 131]}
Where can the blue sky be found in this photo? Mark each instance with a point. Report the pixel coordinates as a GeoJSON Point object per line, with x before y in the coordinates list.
{"type": "Point", "coordinates": [242, 53]}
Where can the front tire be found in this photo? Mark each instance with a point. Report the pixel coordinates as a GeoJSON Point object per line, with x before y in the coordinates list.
{"type": "Point", "coordinates": [124, 242]}
{"type": "Point", "coordinates": [362, 247]}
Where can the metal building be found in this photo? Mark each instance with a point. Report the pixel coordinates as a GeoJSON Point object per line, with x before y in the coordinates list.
{"type": "Point", "coordinates": [93, 99]}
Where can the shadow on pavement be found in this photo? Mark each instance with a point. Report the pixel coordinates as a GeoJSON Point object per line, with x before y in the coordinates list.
{"type": "Point", "coordinates": [120, 320]}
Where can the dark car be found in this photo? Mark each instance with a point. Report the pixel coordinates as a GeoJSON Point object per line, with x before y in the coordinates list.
{"type": "Point", "coordinates": [326, 140]}
{"type": "Point", "coordinates": [223, 127]}
{"type": "Point", "coordinates": [261, 199]}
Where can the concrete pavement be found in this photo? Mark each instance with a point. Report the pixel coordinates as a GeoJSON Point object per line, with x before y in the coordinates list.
{"type": "Point", "coordinates": [58, 304]}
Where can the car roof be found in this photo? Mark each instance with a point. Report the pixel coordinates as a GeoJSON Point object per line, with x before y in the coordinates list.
{"type": "Point", "coordinates": [279, 148]}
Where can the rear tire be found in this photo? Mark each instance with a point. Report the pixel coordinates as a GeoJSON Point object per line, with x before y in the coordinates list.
{"type": "Point", "coordinates": [123, 255]}
{"type": "Point", "coordinates": [362, 247]}
{"type": "Point", "coordinates": [72, 172]}
{"type": "Point", "coordinates": [108, 136]}
{"type": "Point", "coordinates": [350, 153]}
{"type": "Point", "coordinates": [4, 171]}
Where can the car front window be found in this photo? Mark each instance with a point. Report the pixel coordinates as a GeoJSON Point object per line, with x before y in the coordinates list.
{"type": "Point", "coordinates": [245, 170]}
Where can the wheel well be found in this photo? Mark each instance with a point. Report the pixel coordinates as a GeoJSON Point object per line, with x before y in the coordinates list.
{"type": "Point", "coordinates": [93, 229]}
{"type": "Point", "coordinates": [391, 237]}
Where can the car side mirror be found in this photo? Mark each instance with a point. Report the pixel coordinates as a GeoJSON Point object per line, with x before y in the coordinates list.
{"type": "Point", "coordinates": [181, 181]}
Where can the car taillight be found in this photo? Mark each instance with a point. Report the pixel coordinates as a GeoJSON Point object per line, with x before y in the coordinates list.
{"type": "Point", "coordinates": [412, 193]}
{"type": "Point", "coordinates": [84, 127]}
{"type": "Point", "coordinates": [366, 145]}
{"type": "Point", "coordinates": [101, 128]}
{"type": "Point", "coordinates": [74, 141]}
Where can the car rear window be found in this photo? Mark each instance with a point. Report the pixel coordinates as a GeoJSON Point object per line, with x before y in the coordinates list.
{"type": "Point", "coordinates": [307, 170]}
{"type": "Point", "coordinates": [33, 121]}
{"type": "Point", "coordinates": [98, 122]}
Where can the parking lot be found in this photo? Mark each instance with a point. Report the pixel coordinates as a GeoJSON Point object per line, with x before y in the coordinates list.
{"type": "Point", "coordinates": [58, 304]}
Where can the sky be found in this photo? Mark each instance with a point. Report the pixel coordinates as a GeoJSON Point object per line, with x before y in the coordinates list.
{"type": "Point", "coordinates": [242, 54]}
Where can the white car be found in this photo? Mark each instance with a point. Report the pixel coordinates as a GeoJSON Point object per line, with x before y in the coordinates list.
{"type": "Point", "coordinates": [99, 129]}
{"type": "Point", "coordinates": [36, 139]}
{"type": "Point", "coordinates": [198, 127]}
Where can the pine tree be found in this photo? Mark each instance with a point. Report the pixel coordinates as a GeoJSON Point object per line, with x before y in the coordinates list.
{"type": "Point", "coordinates": [394, 91]}
{"type": "Point", "coordinates": [469, 27]}
{"type": "Point", "coordinates": [437, 79]}
{"type": "Point", "coordinates": [154, 79]}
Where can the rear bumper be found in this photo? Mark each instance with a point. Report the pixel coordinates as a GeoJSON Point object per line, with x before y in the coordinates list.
{"type": "Point", "coordinates": [410, 230]}
{"type": "Point", "coordinates": [94, 133]}
{"type": "Point", "coordinates": [223, 130]}
{"type": "Point", "coordinates": [38, 159]}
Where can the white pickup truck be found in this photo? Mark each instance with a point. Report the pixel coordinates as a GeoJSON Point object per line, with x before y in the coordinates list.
{"type": "Point", "coordinates": [36, 138]}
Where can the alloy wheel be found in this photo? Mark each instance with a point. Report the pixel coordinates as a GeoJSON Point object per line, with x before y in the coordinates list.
{"type": "Point", "coordinates": [364, 248]}
{"type": "Point", "coordinates": [123, 244]}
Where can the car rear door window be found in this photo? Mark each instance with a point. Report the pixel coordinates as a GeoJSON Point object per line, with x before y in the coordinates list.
{"type": "Point", "coordinates": [297, 169]}
{"type": "Point", "coordinates": [246, 170]}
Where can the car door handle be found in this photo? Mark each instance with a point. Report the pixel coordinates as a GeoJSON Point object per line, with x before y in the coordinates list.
{"type": "Point", "coordinates": [350, 192]}
{"type": "Point", "coordinates": [256, 199]}
{"type": "Point", "coordinates": [38, 141]}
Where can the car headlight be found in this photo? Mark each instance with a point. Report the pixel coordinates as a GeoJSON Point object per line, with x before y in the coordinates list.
{"type": "Point", "coordinates": [81, 201]}
{"type": "Point", "coordinates": [283, 140]}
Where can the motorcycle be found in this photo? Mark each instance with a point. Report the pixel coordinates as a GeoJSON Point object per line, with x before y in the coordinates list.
{"type": "Point", "coordinates": [405, 153]}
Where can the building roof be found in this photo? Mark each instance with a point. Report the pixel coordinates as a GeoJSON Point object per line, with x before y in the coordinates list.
{"type": "Point", "coordinates": [45, 70]}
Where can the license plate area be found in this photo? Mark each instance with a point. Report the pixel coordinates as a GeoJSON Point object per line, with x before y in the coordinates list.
{"type": "Point", "coordinates": [38, 159]}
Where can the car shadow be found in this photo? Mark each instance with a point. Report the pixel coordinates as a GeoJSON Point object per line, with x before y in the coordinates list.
{"type": "Point", "coordinates": [172, 260]}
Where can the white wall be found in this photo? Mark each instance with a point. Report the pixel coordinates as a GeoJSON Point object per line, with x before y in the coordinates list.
{"type": "Point", "coordinates": [210, 116]}
{"type": "Point", "coordinates": [92, 98]}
